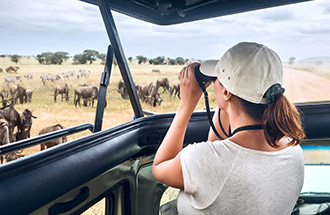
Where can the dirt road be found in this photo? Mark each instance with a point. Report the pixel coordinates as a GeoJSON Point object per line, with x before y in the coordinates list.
{"type": "Point", "coordinates": [301, 86]}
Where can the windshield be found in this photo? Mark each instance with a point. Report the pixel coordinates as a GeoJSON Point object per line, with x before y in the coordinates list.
{"type": "Point", "coordinates": [70, 48]}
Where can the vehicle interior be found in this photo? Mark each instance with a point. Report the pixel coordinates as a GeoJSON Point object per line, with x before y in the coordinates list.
{"type": "Point", "coordinates": [115, 164]}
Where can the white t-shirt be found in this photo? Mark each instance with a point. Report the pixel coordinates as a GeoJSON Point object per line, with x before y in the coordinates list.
{"type": "Point", "coordinates": [223, 178]}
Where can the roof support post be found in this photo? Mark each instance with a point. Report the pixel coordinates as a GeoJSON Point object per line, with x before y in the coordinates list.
{"type": "Point", "coordinates": [121, 59]}
{"type": "Point", "coordinates": [101, 99]}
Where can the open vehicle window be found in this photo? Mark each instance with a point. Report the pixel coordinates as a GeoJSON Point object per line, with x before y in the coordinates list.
{"type": "Point", "coordinates": [299, 33]}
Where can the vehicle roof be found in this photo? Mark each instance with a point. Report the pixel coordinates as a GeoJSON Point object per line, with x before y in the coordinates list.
{"type": "Point", "coordinates": [167, 12]}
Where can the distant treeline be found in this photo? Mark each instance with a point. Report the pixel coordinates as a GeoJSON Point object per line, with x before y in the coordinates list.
{"type": "Point", "coordinates": [89, 56]}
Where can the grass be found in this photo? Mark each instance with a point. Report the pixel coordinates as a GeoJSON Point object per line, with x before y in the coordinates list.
{"type": "Point", "coordinates": [118, 110]}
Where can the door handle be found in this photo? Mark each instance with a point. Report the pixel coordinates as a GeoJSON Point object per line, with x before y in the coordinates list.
{"type": "Point", "coordinates": [63, 207]}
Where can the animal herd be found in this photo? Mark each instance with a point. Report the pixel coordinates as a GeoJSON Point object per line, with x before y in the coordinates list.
{"type": "Point", "coordinates": [15, 126]}
{"type": "Point", "coordinates": [149, 93]}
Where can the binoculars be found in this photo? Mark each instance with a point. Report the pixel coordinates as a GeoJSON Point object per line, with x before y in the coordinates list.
{"type": "Point", "coordinates": [201, 78]}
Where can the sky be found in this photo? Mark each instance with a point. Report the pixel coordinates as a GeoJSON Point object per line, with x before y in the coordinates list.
{"type": "Point", "coordinates": [73, 26]}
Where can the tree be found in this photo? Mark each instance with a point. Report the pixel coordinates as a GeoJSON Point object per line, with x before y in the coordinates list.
{"type": "Point", "coordinates": [158, 60]}
{"type": "Point", "coordinates": [61, 57]}
{"type": "Point", "coordinates": [15, 58]}
{"type": "Point", "coordinates": [130, 59]}
{"type": "Point", "coordinates": [141, 59]}
{"type": "Point", "coordinates": [91, 55]}
{"type": "Point", "coordinates": [79, 59]}
{"type": "Point", "coordinates": [180, 61]}
{"type": "Point", "coordinates": [102, 57]}
{"type": "Point", "coordinates": [44, 58]}
{"type": "Point", "coordinates": [291, 60]}
{"type": "Point", "coordinates": [52, 58]}
{"type": "Point", "coordinates": [171, 61]}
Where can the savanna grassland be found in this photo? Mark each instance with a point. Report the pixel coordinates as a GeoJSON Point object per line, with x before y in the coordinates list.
{"type": "Point", "coordinates": [118, 110]}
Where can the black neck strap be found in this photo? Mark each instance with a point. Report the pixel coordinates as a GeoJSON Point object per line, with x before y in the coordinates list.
{"type": "Point", "coordinates": [247, 127]}
{"type": "Point", "coordinates": [243, 128]}
{"type": "Point", "coordinates": [223, 130]}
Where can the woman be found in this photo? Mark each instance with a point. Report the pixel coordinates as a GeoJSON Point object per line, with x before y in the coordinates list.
{"type": "Point", "coordinates": [259, 169]}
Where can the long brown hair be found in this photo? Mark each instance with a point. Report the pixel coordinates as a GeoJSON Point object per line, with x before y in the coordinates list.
{"type": "Point", "coordinates": [281, 119]}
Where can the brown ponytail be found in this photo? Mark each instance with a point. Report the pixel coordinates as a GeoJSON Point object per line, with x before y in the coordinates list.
{"type": "Point", "coordinates": [282, 119]}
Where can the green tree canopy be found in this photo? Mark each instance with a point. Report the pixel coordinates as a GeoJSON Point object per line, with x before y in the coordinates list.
{"type": "Point", "coordinates": [15, 58]}
{"type": "Point", "coordinates": [102, 57]}
{"type": "Point", "coordinates": [91, 55]}
{"type": "Point", "coordinates": [79, 59]}
{"type": "Point", "coordinates": [141, 59]}
{"type": "Point", "coordinates": [130, 59]}
{"type": "Point", "coordinates": [52, 58]}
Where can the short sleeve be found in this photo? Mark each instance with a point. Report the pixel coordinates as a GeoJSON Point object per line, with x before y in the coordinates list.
{"type": "Point", "coordinates": [205, 168]}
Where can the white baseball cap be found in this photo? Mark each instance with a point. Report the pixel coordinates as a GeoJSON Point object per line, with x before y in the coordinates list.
{"type": "Point", "coordinates": [247, 70]}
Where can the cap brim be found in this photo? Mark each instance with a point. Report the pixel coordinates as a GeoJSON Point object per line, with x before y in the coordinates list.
{"type": "Point", "coordinates": [209, 68]}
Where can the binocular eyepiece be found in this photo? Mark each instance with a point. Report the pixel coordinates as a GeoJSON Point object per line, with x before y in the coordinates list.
{"type": "Point", "coordinates": [201, 78]}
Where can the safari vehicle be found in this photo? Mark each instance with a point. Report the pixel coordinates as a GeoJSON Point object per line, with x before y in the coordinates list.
{"type": "Point", "coordinates": [116, 164]}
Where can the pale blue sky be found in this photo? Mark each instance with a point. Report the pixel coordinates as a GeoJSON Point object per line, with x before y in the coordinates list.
{"type": "Point", "coordinates": [33, 27]}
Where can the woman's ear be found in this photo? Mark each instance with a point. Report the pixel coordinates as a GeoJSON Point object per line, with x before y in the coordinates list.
{"type": "Point", "coordinates": [226, 94]}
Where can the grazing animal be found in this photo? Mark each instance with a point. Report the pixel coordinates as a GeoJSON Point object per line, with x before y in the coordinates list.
{"type": "Point", "coordinates": [9, 80]}
{"type": "Point", "coordinates": [144, 91]}
{"type": "Point", "coordinates": [1, 70]}
{"type": "Point", "coordinates": [4, 95]}
{"type": "Point", "coordinates": [13, 118]}
{"type": "Point", "coordinates": [155, 71]}
{"type": "Point", "coordinates": [13, 156]}
{"type": "Point", "coordinates": [163, 83]}
{"type": "Point", "coordinates": [29, 95]}
{"type": "Point", "coordinates": [12, 69]}
{"type": "Point", "coordinates": [26, 122]}
{"type": "Point", "coordinates": [48, 77]}
{"type": "Point", "coordinates": [84, 73]}
{"type": "Point", "coordinates": [122, 89]}
{"type": "Point", "coordinates": [16, 92]}
{"type": "Point", "coordinates": [53, 142]}
{"type": "Point", "coordinates": [175, 90]}
{"type": "Point", "coordinates": [154, 98]}
{"type": "Point", "coordinates": [29, 76]}
{"type": "Point", "coordinates": [4, 133]}
{"type": "Point", "coordinates": [63, 89]}
{"type": "Point", "coordinates": [86, 92]}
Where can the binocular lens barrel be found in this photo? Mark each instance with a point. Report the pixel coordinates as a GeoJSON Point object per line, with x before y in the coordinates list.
{"type": "Point", "coordinates": [201, 78]}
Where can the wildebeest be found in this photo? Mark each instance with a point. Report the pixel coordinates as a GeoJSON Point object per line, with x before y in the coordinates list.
{"type": "Point", "coordinates": [63, 89]}
{"type": "Point", "coordinates": [53, 142]}
{"type": "Point", "coordinates": [26, 122]}
{"type": "Point", "coordinates": [122, 89]}
{"type": "Point", "coordinates": [155, 71]}
{"type": "Point", "coordinates": [86, 92]}
{"type": "Point", "coordinates": [175, 90]}
{"type": "Point", "coordinates": [4, 133]}
{"type": "Point", "coordinates": [29, 95]}
{"type": "Point", "coordinates": [1, 70]}
{"type": "Point", "coordinates": [12, 79]}
{"type": "Point", "coordinates": [12, 69]}
{"type": "Point", "coordinates": [163, 83]}
{"type": "Point", "coordinates": [13, 118]}
{"type": "Point", "coordinates": [153, 98]}
{"type": "Point", "coordinates": [4, 95]}
{"type": "Point", "coordinates": [17, 91]}
{"type": "Point", "coordinates": [144, 91]}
